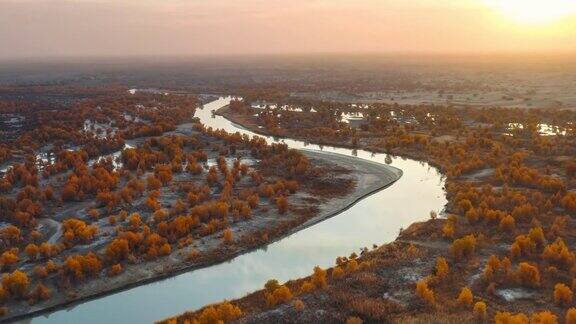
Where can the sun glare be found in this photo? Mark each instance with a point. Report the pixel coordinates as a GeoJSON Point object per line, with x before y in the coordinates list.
{"type": "Point", "coordinates": [535, 11]}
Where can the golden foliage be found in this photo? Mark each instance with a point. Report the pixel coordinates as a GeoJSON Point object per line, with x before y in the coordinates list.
{"type": "Point", "coordinates": [509, 318]}
{"type": "Point", "coordinates": [307, 287]}
{"type": "Point", "coordinates": [562, 294]}
{"type": "Point", "coordinates": [280, 295]}
{"type": "Point", "coordinates": [299, 305]}
{"type": "Point", "coordinates": [465, 298]}
{"type": "Point", "coordinates": [480, 310]}
{"type": "Point", "coordinates": [559, 254]}
{"type": "Point", "coordinates": [354, 320]}
{"type": "Point", "coordinates": [228, 236]}
{"type": "Point", "coordinates": [571, 316]}
{"type": "Point", "coordinates": [221, 313]}
{"type": "Point", "coordinates": [337, 273]}
{"type": "Point", "coordinates": [528, 275]}
{"type": "Point", "coordinates": [463, 247]}
{"type": "Point", "coordinates": [16, 283]}
{"type": "Point", "coordinates": [544, 317]}
{"type": "Point", "coordinates": [115, 270]}
{"type": "Point", "coordinates": [442, 268]}
{"type": "Point", "coordinates": [425, 292]}
{"type": "Point", "coordinates": [319, 277]}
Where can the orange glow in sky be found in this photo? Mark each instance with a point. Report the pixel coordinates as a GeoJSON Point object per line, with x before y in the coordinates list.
{"type": "Point", "coordinates": [535, 11]}
{"type": "Point", "coordinates": [224, 27]}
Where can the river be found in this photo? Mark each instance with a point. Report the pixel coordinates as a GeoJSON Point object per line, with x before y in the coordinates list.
{"type": "Point", "coordinates": [376, 219]}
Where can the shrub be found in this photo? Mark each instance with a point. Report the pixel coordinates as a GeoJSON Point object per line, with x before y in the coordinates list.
{"type": "Point", "coordinates": [424, 292]}
{"type": "Point", "coordinates": [354, 320]}
{"type": "Point", "coordinates": [319, 277]}
{"type": "Point", "coordinates": [558, 253]}
{"type": "Point", "coordinates": [528, 275]}
{"type": "Point", "coordinates": [165, 249]}
{"type": "Point", "coordinates": [480, 310]}
{"type": "Point", "coordinates": [337, 273]}
{"type": "Point", "coordinates": [282, 204]}
{"type": "Point", "coordinates": [16, 283]}
{"type": "Point", "coordinates": [448, 230]}
{"type": "Point", "coordinates": [536, 234]}
{"type": "Point", "coordinates": [222, 313]}
{"type": "Point", "coordinates": [463, 247]}
{"type": "Point", "coordinates": [271, 285]}
{"type": "Point", "coordinates": [8, 258]}
{"type": "Point", "coordinates": [40, 272]}
{"type": "Point", "coordinates": [228, 236]}
{"type": "Point", "coordinates": [135, 220]}
{"type": "Point", "coordinates": [40, 292]}
{"type": "Point", "coordinates": [507, 224]}
{"type": "Point", "coordinates": [351, 266]}
{"type": "Point", "coordinates": [115, 270]}
{"type": "Point", "coordinates": [307, 287]}
{"type": "Point", "coordinates": [509, 318]}
{"type": "Point", "coordinates": [522, 246]}
{"type": "Point", "coordinates": [280, 295]}
{"type": "Point", "coordinates": [465, 298]}
{"type": "Point", "coordinates": [32, 251]}
{"type": "Point", "coordinates": [562, 294]}
{"type": "Point", "coordinates": [472, 215]}
{"type": "Point", "coordinates": [299, 305]}
{"type": "Point", "coordinates": [118, 249]}
{"type": "Point", "coordinates": [160, 215]}
{"type": "Point", "coordinates": [544, 317]}
{"type": "Point", "coordinates": [464, 205]}
{"type": "Point", "coordinates": [442, 268]}
{"type": "Point", "coordinates": [571, 316]}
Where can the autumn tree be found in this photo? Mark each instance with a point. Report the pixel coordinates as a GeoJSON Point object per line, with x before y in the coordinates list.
{"type": "Point", "coordinates": [228, 236]}
{"type": "Point", "coordinates": [16, 283]}
{"type": "Point", "coordinates": [279, 295]}
{"type": "Point", "coordinates": [9, 258]}
{"type": "Point", "coordinates": [425, 292]}
{"type": "Point", "coordinates": [282, 204]}
{"type": "Point", "coordinates": [117, 250]}
{"type": "Point", "coordinates": [528, 275]}
{"type": "Point", "coordinates": [463, 247]}
{"type": "Point", "coordinates": [465, 298]}
{"type": "Point", "coordinates": [480, 310]}
{"type": "Point", "coordinates": [32, 251]}
{"type": "Point", "coordinates": [562, 294]}
{"type": "Point", "coordinates": [319, 278]}
{"type": "Point", "coordinates": [39, 293]}
{"type": "Point", "coordinates": [442, 268]}
{"type": "Point", "coordinates": [571, 316]}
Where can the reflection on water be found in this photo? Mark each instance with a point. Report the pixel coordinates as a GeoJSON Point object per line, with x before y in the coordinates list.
{"type": "Point", "coordinates": [376, 219]}
{"type": "Point", "coordinates": [542, 129]}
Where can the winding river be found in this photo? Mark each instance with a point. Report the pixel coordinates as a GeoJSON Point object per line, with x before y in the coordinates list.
{"type": "Point", "coordinates": [376, 219]}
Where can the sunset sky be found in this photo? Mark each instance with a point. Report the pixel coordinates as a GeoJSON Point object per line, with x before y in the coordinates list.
{"type": "Point", "coordinates": [31, 28]}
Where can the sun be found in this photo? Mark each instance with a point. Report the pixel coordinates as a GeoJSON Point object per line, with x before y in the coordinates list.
{"type": "Point", "coordinates": [534, 11]}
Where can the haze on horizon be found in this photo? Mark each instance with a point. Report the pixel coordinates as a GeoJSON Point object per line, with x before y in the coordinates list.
{"type": "Point", "coordinates": [62, 28]}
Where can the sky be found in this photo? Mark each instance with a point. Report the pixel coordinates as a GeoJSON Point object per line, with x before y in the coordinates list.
{"type": "Point", "coordinates": [54, 28]}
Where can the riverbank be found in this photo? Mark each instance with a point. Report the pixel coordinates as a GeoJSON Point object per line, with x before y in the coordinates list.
{"type": "Point", "coordinates": [369, 177]}
{"type": "Point", "coordinates": [246, 122]}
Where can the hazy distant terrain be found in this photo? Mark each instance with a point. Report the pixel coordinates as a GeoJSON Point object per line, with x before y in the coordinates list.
{"type": "Point", "coordinates": [510, 81]}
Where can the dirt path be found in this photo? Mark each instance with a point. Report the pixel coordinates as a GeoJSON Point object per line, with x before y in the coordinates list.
{"type": "Point", "coordinates": [54, 229]}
